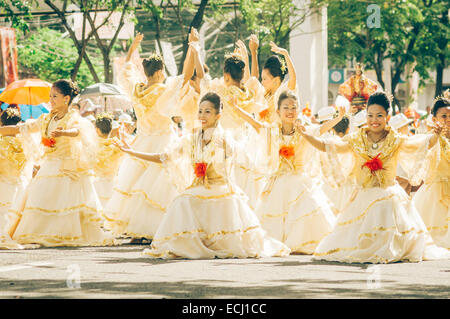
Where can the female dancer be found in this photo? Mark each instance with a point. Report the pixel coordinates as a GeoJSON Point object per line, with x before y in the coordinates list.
{"type": "Point", "coordinates": [210, 218]}
{"type": "Point", "coordinates": [143, 190]}
{"type": "Point", "coordinates": [108, 159]}
{"type": "Point", "coordinates": [15, 173]}
{"type": "Point", "coordinates": [433, 198]}
{"type": "Point", "coordinates": [292, 208]}
{"type": "Point", "coordinates": [272, 77]}
{"type": "Point", "coordinates": [380, 224]}
{"type": "Point", "coordinates": [60, 207]}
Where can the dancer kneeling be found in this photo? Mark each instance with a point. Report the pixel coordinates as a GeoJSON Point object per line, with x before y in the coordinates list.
{"type": "Point", "coordinates": [380, 224]}
{"type": "Point", "coordinates": [210, 218]}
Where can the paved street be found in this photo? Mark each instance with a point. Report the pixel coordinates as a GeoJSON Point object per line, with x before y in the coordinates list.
{"type": "Point", "coordinates": [122, 272]}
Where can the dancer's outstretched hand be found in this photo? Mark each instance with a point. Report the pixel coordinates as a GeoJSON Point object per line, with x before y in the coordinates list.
{"type": "Point", "coordinates": [193, 35]}
{"type": "Point", "coordinates": [275, 48]}
{"type": "Point", "coordinates": [253, 43]}
{"type": "Point", "coordinates": [299, 127]}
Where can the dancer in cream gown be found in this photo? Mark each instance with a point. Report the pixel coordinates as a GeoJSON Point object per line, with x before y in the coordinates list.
{"type": "Point", "coordinates": [108, 160]}
{"type": "Point", "coordinates": [292, 208]}
{"type": "Point", "coordinates": [60, 207]}
{"type": "Point", "coordinates": [15, 173]}
{"type": "Point", "coordinates": [210, 218]}
{"type": "Point", "coordinates": [143, 190]}
{"type": "Point", "coordinates": [273, 78]}
{"type": "Point", "coordinates": [381, 223]}
{"type": "Point", "coordinates": [433, 198]}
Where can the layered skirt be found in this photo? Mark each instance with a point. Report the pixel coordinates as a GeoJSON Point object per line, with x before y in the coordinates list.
{"type": "Point", "coordinates": [11, 190]}
{"type": "Point", "coordinates": [59, 209]}
{"type": "Point", "coordinates": [294, 210]}
{"type": "Point", "coordinates": [380, 225]}
{"type": "Point", "coordinates": [432, 203]}
{"type": "Point", "coordinates": [213, 222]}
{"type": "Point", "coordinates": [142, 192]}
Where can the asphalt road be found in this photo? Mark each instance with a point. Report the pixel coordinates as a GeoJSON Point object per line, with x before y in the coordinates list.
{"type": "Point", "coordinates": [122, 272]}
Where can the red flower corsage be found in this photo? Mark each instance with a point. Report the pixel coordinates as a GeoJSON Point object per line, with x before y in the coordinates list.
{"type": "Point", "coordinates": [287, 151]}
{"type": "Point", "coordinates": [200, 169]}
{"type": "Point", "coordinates": [374, 164]}
{"type": "Point", "coordinates": [263, 113]}
{"type": "Point", "coordinates": [49, 142]}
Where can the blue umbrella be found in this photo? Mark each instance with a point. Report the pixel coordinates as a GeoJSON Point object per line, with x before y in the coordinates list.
{"type": "Point", "coordinates": [28, 111]}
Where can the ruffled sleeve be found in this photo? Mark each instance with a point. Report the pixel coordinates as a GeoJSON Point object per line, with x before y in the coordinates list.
{"type": "Point", "coordinates": [167, 102]}
{"type": "Point", "coordinates": [338, 160]}
{"type": "Point", "coordinates": [129, 77]}
{"type": "Point", "coordinates": [413, 158]}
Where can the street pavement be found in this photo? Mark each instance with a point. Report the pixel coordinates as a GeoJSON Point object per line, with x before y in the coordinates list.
{"type": "Point", "coordinates": [123, 272]}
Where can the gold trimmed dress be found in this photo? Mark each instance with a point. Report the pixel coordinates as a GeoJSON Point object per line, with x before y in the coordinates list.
{"type": "Point", "coordinates": [142, 189]}
{"type": "Point", "coordinates": [15, 174]}
{"type": "Point", "coordinates": [106, 167]}
{"type": "Point", "coordinates": [251, 99]}
{"type": "Point", "coordinates": [380, 223]}
{"type": "Point", "coordinates": [292, 207]}
{"type": "Point", "coordinates": [61, 207]}
{"type": "Point", "coordinates": [433, 197]}
{"type": "Point", "coordinates": [210, 218]}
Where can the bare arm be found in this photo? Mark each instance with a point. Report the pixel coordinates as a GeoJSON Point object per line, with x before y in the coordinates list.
{"type": "Point", "coordinates": [124, 147]}
{"type": "Point", "coordinates": [73, 132]}
{"type": "Point", "coordinates": [247, 117]}
{"type": "Point", "coordinates": [290, 65]}
{"type": "Point", "coordinates": [253, 45]}
{"type": "Point", "coordinates": [328, 125]}
{"type": "Point", "coordinates": [134, 46]}
{"type": "Point", "coordinates": [9, 130]}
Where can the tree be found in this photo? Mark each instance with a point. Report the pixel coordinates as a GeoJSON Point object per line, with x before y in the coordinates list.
{"type": "Point", "coordinates": [50, 56]}
{"type": "Point", "coordinates": [402, 35]}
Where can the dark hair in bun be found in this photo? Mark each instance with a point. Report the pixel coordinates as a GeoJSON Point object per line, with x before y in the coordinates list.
{"type": "Point", "coordinates": [67, 88]}
{"type": "Point", "coordinates": [342, 125]}
{"type": "Point", "coordinates": [214, 98]}
{"type": "Point", "coordinates": [234, 66]}
{"type": "Point", "coordinates": [381, 99]}
{"type": "Point", "coordinates": [275, 67]}
{"type": "Point", "coordinates": [10, 116]}
{"type": "Point", "coordinates": [104, 123]}
{"type": "Point", "coordinates": [438, 103]}
{"type": "Point", "coordinates": [152, 64]}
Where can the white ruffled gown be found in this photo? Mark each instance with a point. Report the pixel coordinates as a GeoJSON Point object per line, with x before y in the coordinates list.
{"type": "Point", "coordinates": [293, 208]}
{"type": "Point", "coordinates": [380, 224]}
{"type": "Point", "coordinates": [210, 218]}
{"type": "Point", "coordinates": [143, 189]}
{"type": "Point", "coordinates": [60, 206]}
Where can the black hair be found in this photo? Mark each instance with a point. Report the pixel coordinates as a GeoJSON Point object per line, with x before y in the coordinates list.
{"type": "Point", "coordinates": [235, 67]}
{"type": "Point", "coordinates": [10, 116]}
{"type": "Point", "coordinates": [275, 67]}
{"type": "Point", "coordinates": [214, 98]}
{"type": "Point", "coordinates": [438, 103]}
{"type": "Point", "coordinates": [152, 64]}
{"type": "Point", "coordinates": [287, 95]}
{"type": "Point", "coordinates": [67, 88]}
{"type": "Point", "coordinates": [380, 98]}
{"type": "Point", "coordinates": [104, 123]}
{"type": "Point", "coordinates": [342, 125]}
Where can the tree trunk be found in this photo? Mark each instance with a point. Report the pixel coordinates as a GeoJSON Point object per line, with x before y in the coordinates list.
{"type": "Point", "coordinates": [195, 23]}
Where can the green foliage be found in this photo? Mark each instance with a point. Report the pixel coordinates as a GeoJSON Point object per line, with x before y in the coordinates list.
{"type": "Point", "coordinates": [50, 56]}
{"type": "Point", "coordinates": [19, 21]}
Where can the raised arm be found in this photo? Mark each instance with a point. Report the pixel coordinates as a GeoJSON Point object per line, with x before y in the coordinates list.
{"type": "Point", "coordinates": [188, 65]}
{"type": "Point", "coordinates": [253, 45]}
{"type": "Point", "coordinates": [328, 125]}
{"type": "Point", "coordinates": [290, 66]}
{"type": "Point", "coordinates": [136, 42]}
{"type": "Point", "coordinates": [244, 55]}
